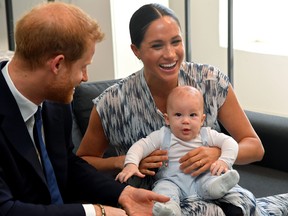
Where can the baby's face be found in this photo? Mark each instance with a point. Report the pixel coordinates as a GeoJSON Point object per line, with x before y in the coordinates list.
{"type": "Point", "coordinates": [185, 117]}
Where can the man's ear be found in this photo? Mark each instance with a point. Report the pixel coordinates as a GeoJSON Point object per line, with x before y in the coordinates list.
{"type": "Point", "coordinates": [57, 63]}
{"type": "Point", "coordinates": [135, 51]}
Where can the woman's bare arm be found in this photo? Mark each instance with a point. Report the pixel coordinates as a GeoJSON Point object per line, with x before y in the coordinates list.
{"type": "Point", "coordinates": [95, 143]}
{"type": "Point", "coordinates": [235, 121]}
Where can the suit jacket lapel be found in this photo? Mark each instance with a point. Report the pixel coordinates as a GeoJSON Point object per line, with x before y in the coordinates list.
{"type": "Point", "coordinates": [14, 128]}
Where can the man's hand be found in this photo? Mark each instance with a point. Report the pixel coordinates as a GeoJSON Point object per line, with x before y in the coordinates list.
{"type": "Point", "coordinates": [139, 202]}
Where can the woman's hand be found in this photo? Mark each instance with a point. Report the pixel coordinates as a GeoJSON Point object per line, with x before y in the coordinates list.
{"type": "Point", "coordinates": [199, 160]}
{"type": "Point", "coordinates": [153, 161]}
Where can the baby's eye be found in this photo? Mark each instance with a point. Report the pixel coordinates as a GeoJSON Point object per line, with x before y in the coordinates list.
{"type": "Point", "coordinates": [193, 114]}
{"type": "Point", "coordinates": [178, 114]}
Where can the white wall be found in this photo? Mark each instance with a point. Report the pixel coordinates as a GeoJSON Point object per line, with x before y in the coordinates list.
{"type": "Point", "coordinates": [102, 67]}
{"type": "Point", "coordinates": [19, 7]}
{"type": "Point", "coordinates": [259, 80]}
{"type": "Point", "coordinates": [125, 61]}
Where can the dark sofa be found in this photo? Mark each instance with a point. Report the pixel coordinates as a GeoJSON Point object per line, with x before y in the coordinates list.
{"type": "Point", "coordinates": [265, 178]}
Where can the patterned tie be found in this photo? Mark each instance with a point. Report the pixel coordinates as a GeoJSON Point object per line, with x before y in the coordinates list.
{"type": "Point", "coordinates": [46, 163]}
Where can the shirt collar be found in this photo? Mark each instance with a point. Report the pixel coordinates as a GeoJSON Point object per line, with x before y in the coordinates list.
{"type": "Point", "coordinates": [27, 108]}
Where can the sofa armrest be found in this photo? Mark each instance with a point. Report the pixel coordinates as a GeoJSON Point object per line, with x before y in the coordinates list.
{"type": "Point", "coordinates": [273, 132]}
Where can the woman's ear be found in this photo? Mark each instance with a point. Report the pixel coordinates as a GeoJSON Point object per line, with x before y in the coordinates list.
{"type": "Point", "coordinates": [57, 63]}
{"type": "Point", "coordinates": [135, 51]}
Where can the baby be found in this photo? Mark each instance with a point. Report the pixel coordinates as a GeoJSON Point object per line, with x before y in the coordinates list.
{"type": "Point", "coordinates": [184, 132]}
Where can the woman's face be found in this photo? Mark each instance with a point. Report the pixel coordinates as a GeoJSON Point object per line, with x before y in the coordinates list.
{"type": "Point", "coordinates": [161, 50]}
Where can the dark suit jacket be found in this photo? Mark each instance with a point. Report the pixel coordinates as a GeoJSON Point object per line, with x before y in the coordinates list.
{"type": "Point", "coordinates": [23, 190]}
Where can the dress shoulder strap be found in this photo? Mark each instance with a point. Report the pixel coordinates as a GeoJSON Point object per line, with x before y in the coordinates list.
{"type": "Point", "coordinates": [204, 136]}
{"type": "Point", "coordinates": [166, 139]}
{"type": "Point", "coordinates": [166, 143]}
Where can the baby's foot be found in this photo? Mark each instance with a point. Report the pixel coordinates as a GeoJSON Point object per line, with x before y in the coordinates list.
{"type": "Point", "coordinates": [170, 208]}
{"type": "Point", "coordinates": [222, 184]}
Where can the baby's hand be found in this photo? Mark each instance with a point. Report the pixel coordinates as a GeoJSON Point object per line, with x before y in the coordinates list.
{"type": "Point", "coordinates": [127, 172]}
{"type": "Point", "coordinates": [218, 167]}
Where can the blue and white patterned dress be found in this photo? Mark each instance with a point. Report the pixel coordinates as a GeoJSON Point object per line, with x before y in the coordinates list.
{"type": "Point", "coordinates": [128, 113]}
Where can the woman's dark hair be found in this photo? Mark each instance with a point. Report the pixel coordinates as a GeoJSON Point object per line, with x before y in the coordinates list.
{"type": "Point", "coordinates": [143, 17]}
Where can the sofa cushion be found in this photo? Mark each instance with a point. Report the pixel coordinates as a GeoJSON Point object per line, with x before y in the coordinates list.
{"type": "Point", "coordinates": [262, 181]}
{"type": "Point", "coordinates": [82, 102]}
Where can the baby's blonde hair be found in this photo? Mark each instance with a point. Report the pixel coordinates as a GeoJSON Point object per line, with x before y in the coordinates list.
{"type": "Point", "coordinates": [179, 91]}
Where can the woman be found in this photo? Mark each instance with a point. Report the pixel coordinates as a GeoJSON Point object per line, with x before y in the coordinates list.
{"type": "Point", "coordinates": [134, 107]}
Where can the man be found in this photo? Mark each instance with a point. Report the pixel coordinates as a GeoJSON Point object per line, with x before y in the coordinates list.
{"type": "Point", "coordinates": [54, 44]}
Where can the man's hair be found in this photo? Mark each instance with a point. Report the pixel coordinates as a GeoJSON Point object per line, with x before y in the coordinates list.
{"type": "Point", "coordinates": [54, 28]}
